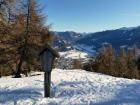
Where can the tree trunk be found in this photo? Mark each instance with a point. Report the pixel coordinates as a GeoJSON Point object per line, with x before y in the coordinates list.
{"type": "Point", "coordinates": [0, 72]}
{"type": "Point", "coordinates": [18, 69]}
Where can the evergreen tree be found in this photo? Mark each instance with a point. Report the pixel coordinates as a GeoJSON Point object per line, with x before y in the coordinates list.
{"type": "Point", "coordinates": [131, 62]}
{"type": "Point", "coordinates": [34, 36]}
{"type": "Point", "coordinates": [122, 63]}
{"type": "Point", "coordinates": [105, 60]}
{"type": "Point", "coordinates": [22, 34]}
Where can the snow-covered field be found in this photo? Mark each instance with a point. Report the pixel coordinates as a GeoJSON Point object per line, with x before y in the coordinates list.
{"type": "Point", "coordinates": [70, 87]}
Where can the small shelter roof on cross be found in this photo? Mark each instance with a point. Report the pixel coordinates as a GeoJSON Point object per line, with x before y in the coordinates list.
{"type": "Point", "coordinates": [47, 47]}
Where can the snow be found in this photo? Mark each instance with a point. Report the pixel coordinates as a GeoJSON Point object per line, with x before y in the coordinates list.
{"type": "Point", "coordinates": [87, 49]}
{"type": "Point", "coordinates": [70, 87]}
{"type": "Point", "coordinates": [129, 28]}
{"type": "Point", "coordinates": [73, 54]}
{"type": "Point", "coordinates": [123, 46]}
{"type": "Point", "coordinates": [131, 34]}
{"type": "Point", "coordinates": [129, 39]}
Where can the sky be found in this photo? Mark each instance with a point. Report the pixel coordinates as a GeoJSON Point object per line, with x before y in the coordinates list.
{"type": "Point", "coordinates": [91, 15]}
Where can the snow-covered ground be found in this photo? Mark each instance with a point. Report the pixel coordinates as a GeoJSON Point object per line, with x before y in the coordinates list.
{"type": "Point", "coordinates": [87, 49]}
{"type": "Point", "coordinates": [74, 54]}
{"type": "Point", "coordinates": [70, 87]}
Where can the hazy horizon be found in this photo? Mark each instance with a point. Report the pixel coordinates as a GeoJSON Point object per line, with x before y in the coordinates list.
{"type": "Point", "coordinates": [99, 30]}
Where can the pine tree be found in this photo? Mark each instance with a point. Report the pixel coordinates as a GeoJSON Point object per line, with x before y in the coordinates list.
{"type": "Point", "coordinates": [22, 34]}
{"type": "Point", "coordinates": [122, 63]}
{"type": "Point", "coordinates": [105, 60]}
{"type": "Point", "coordinates": [5, 9]}
{"type": "Point", "coordinates": [131, 62]}
{"type": "Point", "coordinates": [33, 38]}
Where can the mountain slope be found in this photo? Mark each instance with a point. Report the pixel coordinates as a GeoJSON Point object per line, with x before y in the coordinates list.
{"type": "Point", "coordinates": [60, 44]}
{"type": "Point", "coordinates": [120, 37]}
{"type": "Point", "coordinates": [92, 42]}
{"type": "Point", "coordinates": [70, 36]}
{"type": "Point", "coordinates": [70, 87]}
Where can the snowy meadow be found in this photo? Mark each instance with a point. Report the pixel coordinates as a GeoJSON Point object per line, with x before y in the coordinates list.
{"type": "Point", "coordinates": [70, 87]}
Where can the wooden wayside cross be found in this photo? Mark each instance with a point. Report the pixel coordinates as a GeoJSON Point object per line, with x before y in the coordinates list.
{"type": "Point", "coordinates": [47, 56]}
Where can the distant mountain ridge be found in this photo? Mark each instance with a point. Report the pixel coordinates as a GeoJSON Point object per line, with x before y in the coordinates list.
{"type": "Point", "coordinates": [70, 36]}
{"type": "Point", "coordinates": [125, 37]}
{"type": "Point", "coordinates": [65, 40]}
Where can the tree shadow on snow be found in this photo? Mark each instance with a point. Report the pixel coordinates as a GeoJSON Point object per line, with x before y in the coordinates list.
{"type": "Point", "coordinates": [19, 94]}
{"type": "Point", "coordinates": [68, 89]}
{"type": "Point", "coordinates": [129, 94]}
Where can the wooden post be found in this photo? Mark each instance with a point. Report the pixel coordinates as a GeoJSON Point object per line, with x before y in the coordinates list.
{"type": "Point", "coordinates": [0, 72]}
{"type": "Point", "coordinates": [47, 57]}
{"type": "Point", "coordinates": [47, 84]}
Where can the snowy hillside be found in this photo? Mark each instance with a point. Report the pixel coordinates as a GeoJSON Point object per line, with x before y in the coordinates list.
{"type": "Point", "coordinates": [71, 87]}
{"type": "Point", "coordinates": [74, 54]}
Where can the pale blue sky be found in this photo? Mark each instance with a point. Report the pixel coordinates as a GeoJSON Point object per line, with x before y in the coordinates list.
{"type": "Point", "coordinates": [92, 15]}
